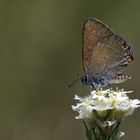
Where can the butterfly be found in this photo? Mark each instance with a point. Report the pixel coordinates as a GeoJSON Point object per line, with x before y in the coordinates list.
{"type": "Point", "coordinates": [105, 55]}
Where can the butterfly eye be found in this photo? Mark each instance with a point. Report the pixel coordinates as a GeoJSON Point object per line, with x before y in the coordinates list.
{"type": "Point", "coordinates": [85, 79]}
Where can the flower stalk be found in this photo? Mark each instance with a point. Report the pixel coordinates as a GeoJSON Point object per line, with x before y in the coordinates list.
{"type": "Point", "coordinates": [102, 112]}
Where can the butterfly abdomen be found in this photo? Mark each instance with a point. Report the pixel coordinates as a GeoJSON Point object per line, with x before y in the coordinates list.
{"type": "Point", "coordinates": [120, 78]}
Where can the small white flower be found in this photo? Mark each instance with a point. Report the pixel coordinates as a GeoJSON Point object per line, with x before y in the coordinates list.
{"type": "Point", "coordinates": [103, 111]}
{"type": "Point", "coordinates": [122, 105]}
{"type": "Point", "coordinates": [104, 100]}
{"type": "Point", "coordinates": [78, 98]}
{"type": "Point", "coordinates": [134, 104]}
{"type": "Point", "coordinates": [121, 134]}
{"type": "Point", "coordinates": [108, 123]}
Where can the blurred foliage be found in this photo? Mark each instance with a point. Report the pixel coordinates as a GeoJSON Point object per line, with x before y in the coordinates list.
{"type": "Point", "coordinates": [40, 54]}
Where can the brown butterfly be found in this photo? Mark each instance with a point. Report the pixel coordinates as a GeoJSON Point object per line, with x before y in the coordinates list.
{"type": "Point", "coordinates": [105, 55]}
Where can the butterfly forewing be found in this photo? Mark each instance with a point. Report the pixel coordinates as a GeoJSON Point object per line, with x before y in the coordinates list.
{"type": "Point", "coordinates": [104, 53]}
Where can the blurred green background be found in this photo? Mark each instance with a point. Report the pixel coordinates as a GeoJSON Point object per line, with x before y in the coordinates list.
{"type": "Point", "coordinates": [40, 54]}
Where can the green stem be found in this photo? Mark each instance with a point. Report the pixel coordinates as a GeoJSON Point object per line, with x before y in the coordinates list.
{"type": "Point", "coordinates": [115, 130]}
{"type": "Point", "coordinates": [88, 132]}
{"type": "Point", "coordinates": [93, 130]}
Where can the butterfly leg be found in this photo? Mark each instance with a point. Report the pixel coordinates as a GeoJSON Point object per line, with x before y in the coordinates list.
{"type": "Point", "coordinates": [94, 86]}
{"type": "Point", "coordinates": [109, 85]}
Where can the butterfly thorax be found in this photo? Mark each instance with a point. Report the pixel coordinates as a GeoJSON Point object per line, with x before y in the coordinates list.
{"type": "Point", "coordinates": [94, 82]}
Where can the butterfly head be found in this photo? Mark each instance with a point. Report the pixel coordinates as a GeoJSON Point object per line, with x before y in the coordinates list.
{"type": "Point", "coordinates": [84, 80]}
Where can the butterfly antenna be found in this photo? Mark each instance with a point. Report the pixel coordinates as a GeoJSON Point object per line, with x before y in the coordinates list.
{"type": "Point", "coordinates": [74, 82]}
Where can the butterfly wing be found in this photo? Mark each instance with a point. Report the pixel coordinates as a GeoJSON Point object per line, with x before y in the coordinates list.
{"type": "Point", "coordinates": [104, 53]}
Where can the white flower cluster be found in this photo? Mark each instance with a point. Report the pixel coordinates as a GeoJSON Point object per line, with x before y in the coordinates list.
{"type": "Point", "coordinates": [116, 102]}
